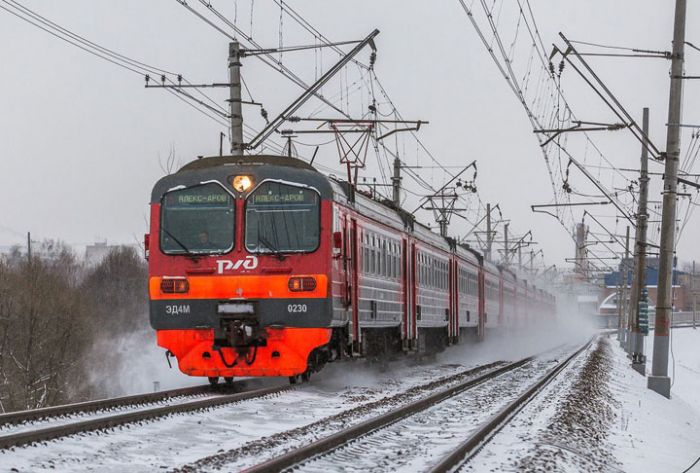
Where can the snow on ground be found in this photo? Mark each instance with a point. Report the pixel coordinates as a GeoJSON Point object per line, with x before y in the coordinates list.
{"type": "Point", "coordinates": [652, 433]}
{"type": "Point", "coordinates": [184, 438]}
{"type": "Point", "coordinates": [638, 430]}
{"type": "Point", "coordinates": [685, 370]}
{"type": "Point", "coordinates": [180, 439]}
{"type": "Point", "coordinates": [529, 442]}
{"type": "Point", "coordinates": [419, 441]}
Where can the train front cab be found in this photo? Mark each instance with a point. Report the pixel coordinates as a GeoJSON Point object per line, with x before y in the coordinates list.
{"type": "Point", "coordinates": [239, 268]}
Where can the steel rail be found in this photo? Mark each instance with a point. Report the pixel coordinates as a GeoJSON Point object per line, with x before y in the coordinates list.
{"type": "Point", "coordinates": [19, 417]}
{"type": "Point", "coordinates": [338, 439]}
{"type": "Point", "coordinates": [49, 433]}
{"type": "Point", "coordinates": [486, 431]}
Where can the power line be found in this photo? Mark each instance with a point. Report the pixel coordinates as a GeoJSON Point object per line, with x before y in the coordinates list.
{"type": "Point", "coordinates": [128, 63]}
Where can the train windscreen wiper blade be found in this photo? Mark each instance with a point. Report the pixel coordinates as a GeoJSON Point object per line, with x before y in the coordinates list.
{"type": "Point", "coordinates": [177, 241]}
{"type": "Point", "coordinates": [273, 249]}
{"type": "Point", "coordinates": [270, 246]}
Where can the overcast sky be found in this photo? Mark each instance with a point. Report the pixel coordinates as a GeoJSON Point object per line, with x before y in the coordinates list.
{"type": "Point", "coordinates": [82, 141]}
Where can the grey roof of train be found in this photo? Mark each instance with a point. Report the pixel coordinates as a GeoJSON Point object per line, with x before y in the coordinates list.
{"type": "Point", "coordinates": [291, 169]}
{"type": "Point", "coordinates": [221, 168]}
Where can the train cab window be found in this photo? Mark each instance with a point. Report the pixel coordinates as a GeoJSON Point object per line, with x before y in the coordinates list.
{"type": "Point", "coordinates": [282, 218]}
{"type": "Point", "coordinates": [197, 220]}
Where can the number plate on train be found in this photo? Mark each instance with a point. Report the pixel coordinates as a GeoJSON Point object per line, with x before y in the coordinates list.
{"type": "Point", "coordinates": [236, 308]}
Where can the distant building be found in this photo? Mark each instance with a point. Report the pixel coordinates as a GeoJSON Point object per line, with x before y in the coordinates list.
{"type": "Point", "coordinates": [680, 296]}
{"type": "Point", "coordinates": [97, 252]}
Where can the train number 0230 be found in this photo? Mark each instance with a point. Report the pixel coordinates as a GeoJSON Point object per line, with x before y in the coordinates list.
{"type": "Point", "coordinates": [297, 308]}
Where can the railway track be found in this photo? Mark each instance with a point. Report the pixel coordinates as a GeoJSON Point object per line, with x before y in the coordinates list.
{"type": "Point", "coordinates": [330, 448]}
{"type": "Point", "coordinates": [57, 426]}
{"type": "Point", "coordinates": [19, 417]}
{"type": "Point", "coordinates": [486, 431]}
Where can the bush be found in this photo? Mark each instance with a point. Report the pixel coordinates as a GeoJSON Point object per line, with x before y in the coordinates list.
{"type": "Point", "coordinates": [54, 318]}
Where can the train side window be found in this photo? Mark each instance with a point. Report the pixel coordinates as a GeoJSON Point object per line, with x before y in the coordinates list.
{"type": "Point", "coordinates": [422, 270]}
{"type": "Point", "coordinates": [472, 287]}
{"type": "Point", "coordinates": [365, 259]}
{"type": "Point", "coordinates": [430, 272]}
{"type": "Point", "coordinates": [383, 258]}
{"type": "Point", "coordinates": [397, 263]}
{"type": "Point", "coordinates": [389, 260]}
{"type": "Point", "coordinates": [377, 259]}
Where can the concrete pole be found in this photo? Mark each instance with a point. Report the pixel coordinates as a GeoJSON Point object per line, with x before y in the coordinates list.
{"type": "Point", "coordinates": [620, 334]}
{"type": "Point", "coordinates": [396, 183]}
{"type": "Point", "coordinates": [580, 251]}
{"type": "Point", "coordinates": [289, 147]}
{"type": "Point", "coordinates": [489, 238]}
{"type": "Point", "coordinates": [443, 229]}
{"type": "Point", "coordinates": [625, 275]}
{"type": "Point", "coordinates": [29, 247]}
{"type": "Point", "coordinates": [235, 105]}
{"type": "Point", "coordinates": [520, 257]}
{"type": "Point", "coordinates": [659, 380]}
{"type": "Point", "coordinates": [640, 262]}
{"type": "Point", "coordinates": [505, 243]}
{"type": "Point", "coordinates": [692, 293]}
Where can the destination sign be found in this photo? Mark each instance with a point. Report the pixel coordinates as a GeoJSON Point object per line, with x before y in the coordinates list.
{"type": "Point", "coordinates": [281, 194]}
{"type": "Point", "coordinates": [209, 195]}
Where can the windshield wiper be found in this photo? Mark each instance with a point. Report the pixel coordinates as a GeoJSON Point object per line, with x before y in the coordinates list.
{"type": "Point", "coordinates": [273, 249]}
{"type": "Point", "coordinates": [176, 240]}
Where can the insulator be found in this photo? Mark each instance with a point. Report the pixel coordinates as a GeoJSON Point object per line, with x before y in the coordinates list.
{"type": "Point", "coordinates": [561, 66]}
{"type": "Point", "coordinates": [147, 78]}
{"type": "Point", "coordinates": [551, 68]}
{"type": "Point", "coordinates": [263, 113]}
{"type": "Point", "coordinates": [372, 59]}
{"type": "Point", "coordinates": [162, 78]}
{"type": "Point", "coordinates": [179, 77]}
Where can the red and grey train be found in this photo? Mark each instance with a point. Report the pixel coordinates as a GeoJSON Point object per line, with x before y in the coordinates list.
{"type": "Point", "coordinates": [262, 266]}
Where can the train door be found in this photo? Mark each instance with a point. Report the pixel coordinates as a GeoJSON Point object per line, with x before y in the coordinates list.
{"type": "Point", "coordinates": [352, 269]}
{"type": "Point", "coordinates": [344, 274]}
{"type": "Point", "coordinates": [453, 306]}
{"type": "Point", "coordinates": [501, 305]}
{"type": "Point", "coordinates": [482, 305]}
{"type": "Point", "coordinates": [412, 264]}
{"type": "Point", "coordinates": [405, 285]}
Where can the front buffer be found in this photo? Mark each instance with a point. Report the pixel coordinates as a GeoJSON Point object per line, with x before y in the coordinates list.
{"type": "Point", "coordinates": [286, 353]}
{"type": "Point", "coordinates": [271, 330]}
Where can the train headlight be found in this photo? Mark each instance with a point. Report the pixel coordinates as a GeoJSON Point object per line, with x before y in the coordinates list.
{"type": "Point", "coordinates": [242, 183]}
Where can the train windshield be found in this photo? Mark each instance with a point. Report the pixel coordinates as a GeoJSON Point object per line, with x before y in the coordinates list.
{"type": "Point", "coordinates": [282, 218]}
{"type": "Point", "coordinates": [197, 220]}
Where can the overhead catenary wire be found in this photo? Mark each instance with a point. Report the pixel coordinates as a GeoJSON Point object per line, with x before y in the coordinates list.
{"type": "Point", "coordinates": [541, 96]}
{"type": "Point", "coordinates": [276, 65]}
{"type": "Point", "coordinates": [214, 111]}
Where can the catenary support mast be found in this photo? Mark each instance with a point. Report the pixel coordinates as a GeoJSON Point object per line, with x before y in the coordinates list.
{"type": "Point", "coordinates": [640, 250]}
{"type": "Point", "coordinates": [235, 100]}
{"type": "Point", "coordinates": [659, 380]}
{"type": "Point", "coordinates": [396, 183]}
{"type": "Point", "coordinates": [489, 238]}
